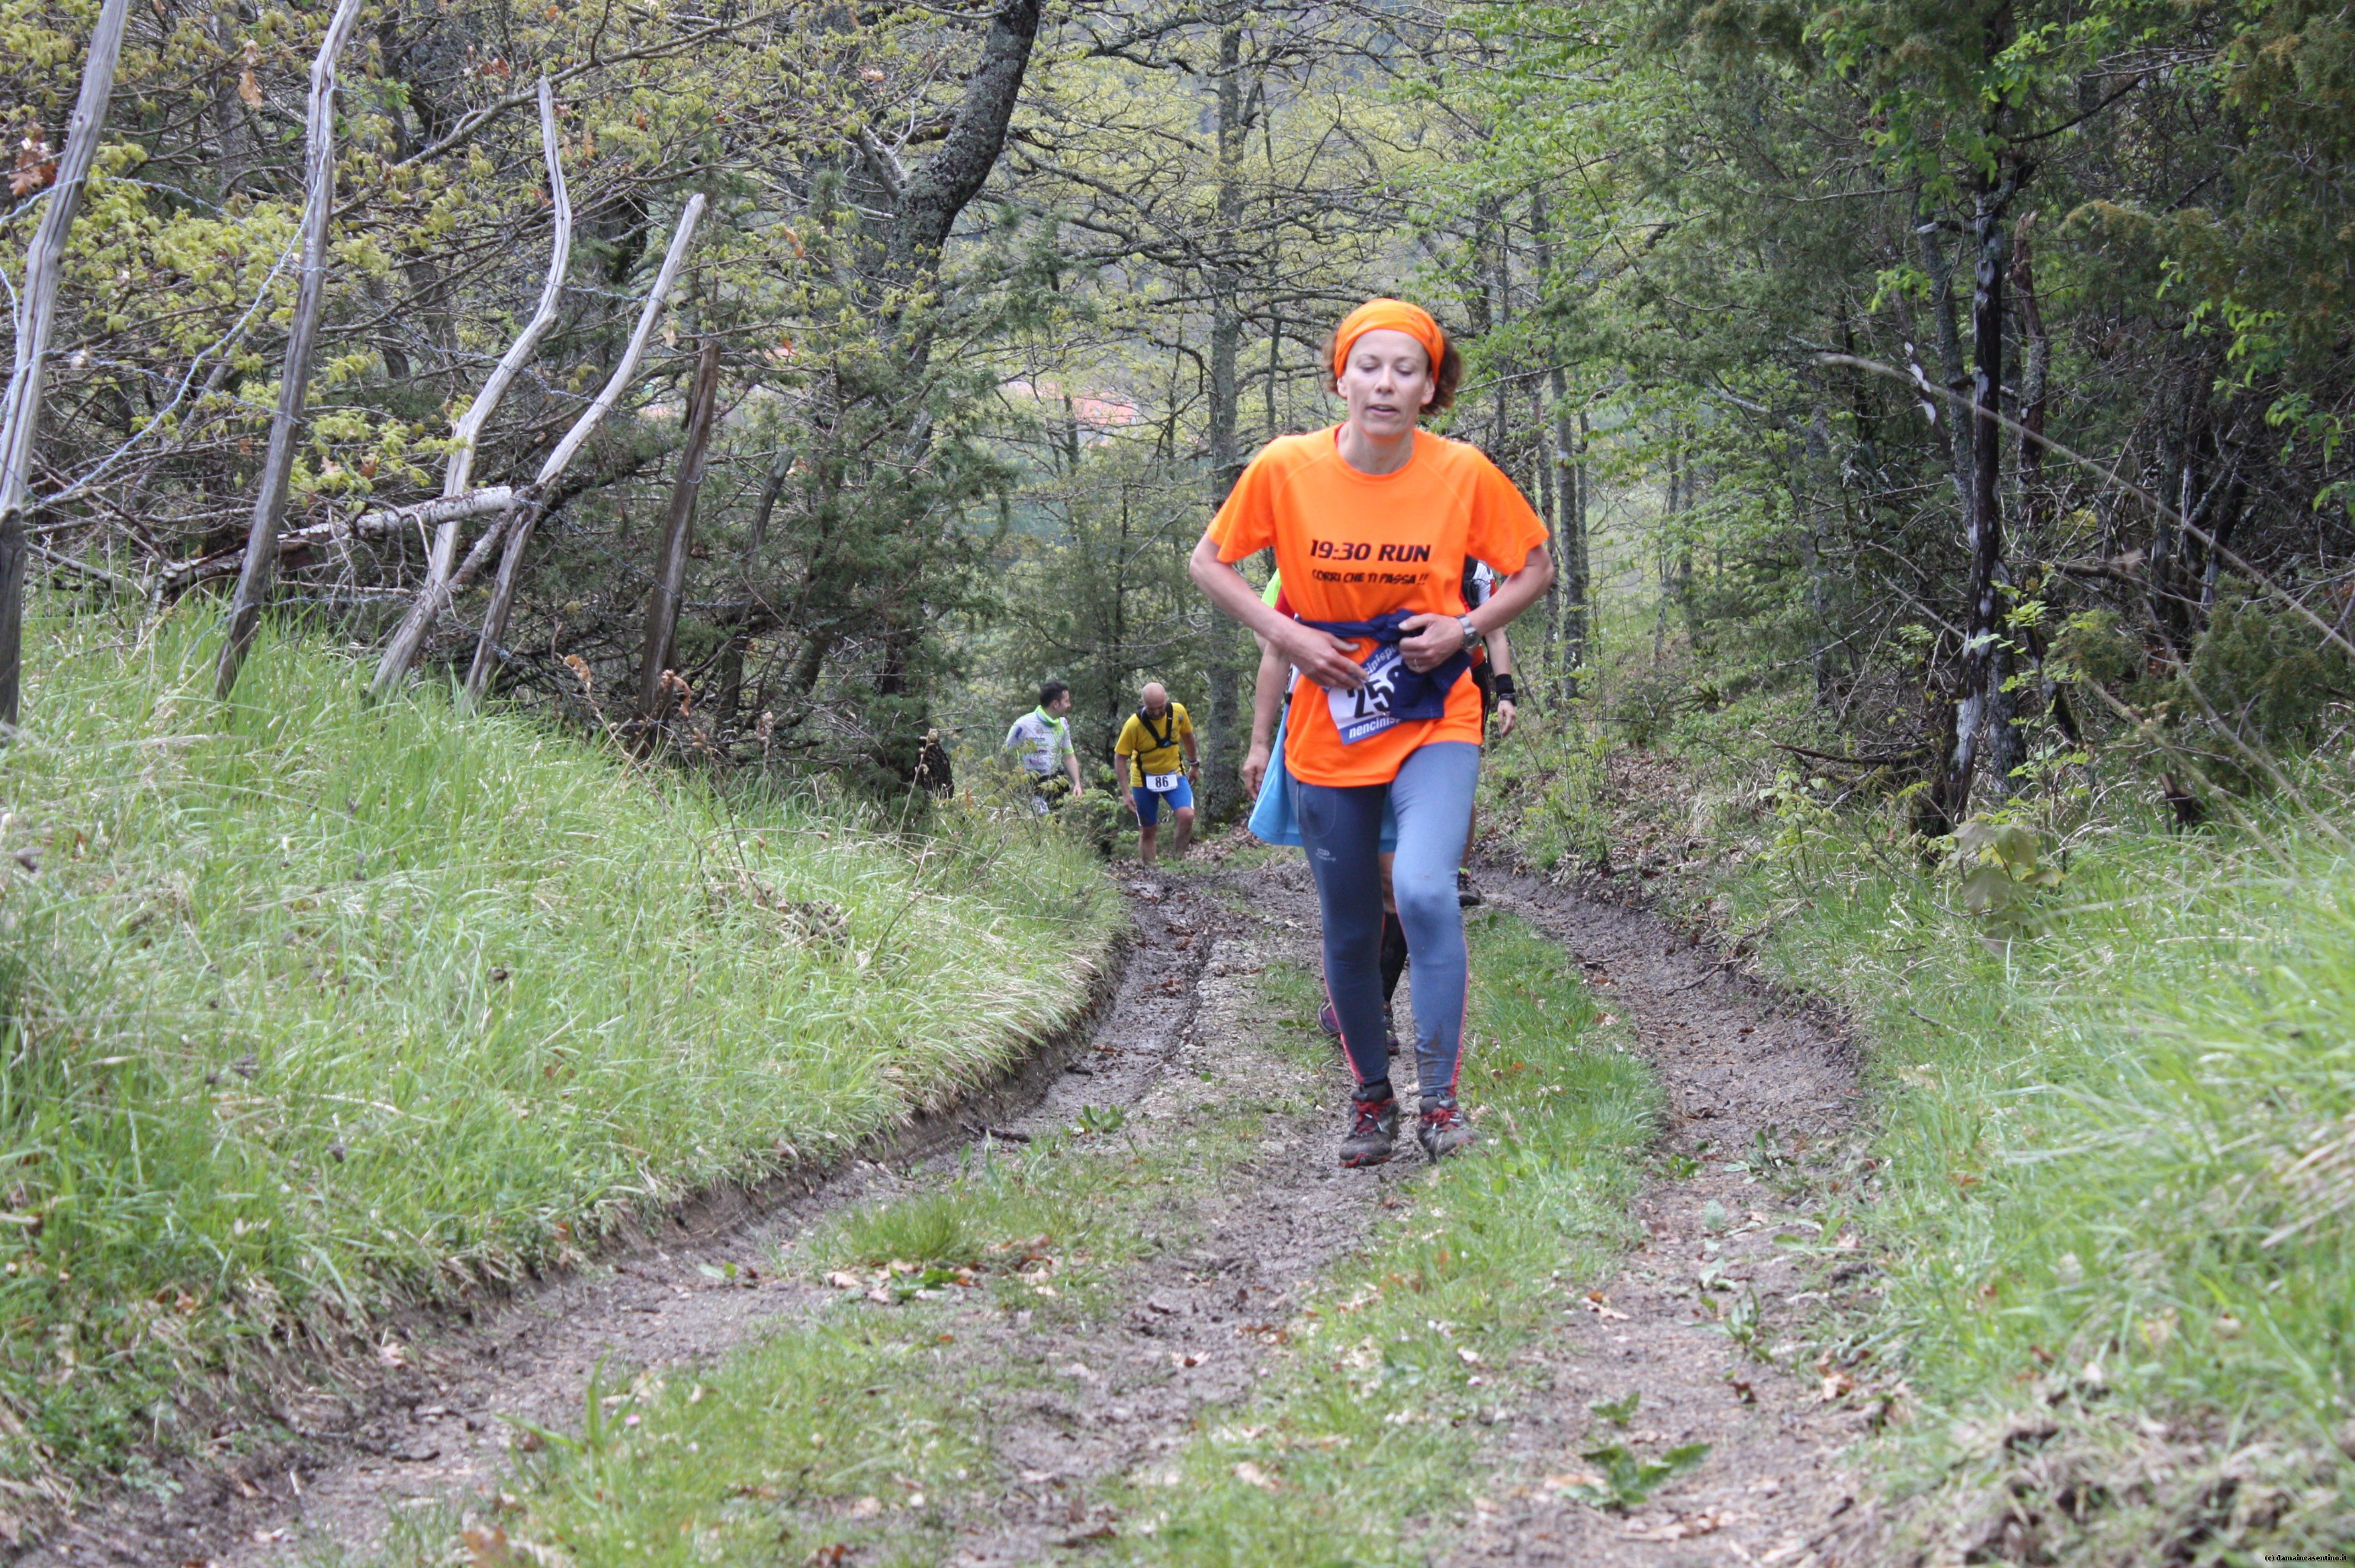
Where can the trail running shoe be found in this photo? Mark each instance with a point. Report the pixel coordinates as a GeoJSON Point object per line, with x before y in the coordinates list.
{"type": "Point", "coordinates": [1373, 1131]}
{"type": "Point", "coordinates": [1467, 895]}
{"type": "Point", "coordinates": [1441, 1129]}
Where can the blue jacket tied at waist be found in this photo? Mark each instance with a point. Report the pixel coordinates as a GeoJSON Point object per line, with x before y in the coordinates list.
{"type": "Point", "coordinates": [1414, 694]}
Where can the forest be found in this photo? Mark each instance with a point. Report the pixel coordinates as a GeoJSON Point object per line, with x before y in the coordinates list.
{"type": "Point", "coordinates": [1940, 413]}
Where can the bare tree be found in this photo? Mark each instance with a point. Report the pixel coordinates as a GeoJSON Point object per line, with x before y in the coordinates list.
{"type": "Point", "coordinates": [408, 638]}
{"type": "Point", "coordinates": [670, 568]}
{"type": "Point", "coordinates": [295, 380]}
{"type": "Point", "coordinates": [22, 419]}
{"type": "Point", "coordinates": [517, 524]}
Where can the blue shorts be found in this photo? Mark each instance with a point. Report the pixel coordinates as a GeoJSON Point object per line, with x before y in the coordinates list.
{"type": "Point", "coordinates": [1148, 805]}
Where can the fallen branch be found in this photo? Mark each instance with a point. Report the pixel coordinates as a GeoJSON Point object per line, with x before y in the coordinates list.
{"type": "Point", "coordinates": [1886, 761]}
{"type": "Point", "coordinates": [295, 380]}
{"type": "Point", "coordinates": [43, 267]}
{"type": "Point", "coordinates": [495, 618]}
{"type": "Point", "coordinates": [380, 522]}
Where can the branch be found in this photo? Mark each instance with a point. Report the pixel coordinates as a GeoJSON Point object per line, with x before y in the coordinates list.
{"type": "Point", "coordinates": [380, 522]}
{"type": "Point", "coordinates": [495, 618]}
{"type": "Point", "coordinates": [401, 649]}
{"type": "Point", "coordinates": [885, 163]}
{"type": "Point", "coordinates": [950, 177]}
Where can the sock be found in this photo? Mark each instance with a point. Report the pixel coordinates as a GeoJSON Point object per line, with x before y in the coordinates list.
{"type": "Point", "coordinates": [1393, 955]}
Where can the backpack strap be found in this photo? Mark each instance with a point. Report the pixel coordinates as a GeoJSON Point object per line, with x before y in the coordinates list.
{"type": "Point", "coordinates": [1168, 737]}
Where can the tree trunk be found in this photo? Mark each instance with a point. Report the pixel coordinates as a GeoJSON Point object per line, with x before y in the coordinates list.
{"type": "Point", "coordinates": [1815, 504]}
{"type": "Point", "coordinates": [21, 423]}
{"type": "Point", "coordinates": [1223, 733]}
{"type": "Point", "coordinates": [1987, 661]}
{"type": "Point", "coordinates": [295, 380]}
{"type": "Point", "coordinates": [670, 567]}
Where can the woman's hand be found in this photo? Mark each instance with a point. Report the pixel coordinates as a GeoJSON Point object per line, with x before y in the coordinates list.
{"type": "Point", "coordinates": [1430, 641]}
{"type": "Point", "coordinates": [1322, 657]}
{"type": "Point", "coordinates": [1255, 766]}
{"type": "Point", "coordinates": [1505, 713]}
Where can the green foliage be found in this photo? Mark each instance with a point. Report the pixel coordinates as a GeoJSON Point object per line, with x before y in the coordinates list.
{"type": "Point", "coordinates": [2260, 676]}
{"type": "Point", "coordinates": [1629, 1480]}
{"type": "Point", "coordinates": [2091, 647]}
{"type": "Point", "coordinates": [1618, 1412]}
{"type": "Point", "coordinates": [318, 1008]}
{"type": "Point", "coordinates": [2004, 871]}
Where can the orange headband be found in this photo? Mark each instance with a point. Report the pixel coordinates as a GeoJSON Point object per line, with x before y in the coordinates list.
{"type": "Point", "coordinates": [1390, 315]}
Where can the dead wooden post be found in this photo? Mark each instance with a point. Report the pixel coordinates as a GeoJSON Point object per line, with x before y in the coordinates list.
{"type": "Point", "coordinates": [670, 567]}
{"type": "Point", "coordinates": [295, 380]}
{"type": "Point", "coordinates": [409, 639]}
{"type": "Point", "coordinates": [527, 516]}
{"type": "Point", "coordinates": [22, 418]}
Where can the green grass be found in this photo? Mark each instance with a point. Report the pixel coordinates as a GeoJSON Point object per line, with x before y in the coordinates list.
{"type": "Point", "coordinates": [2119, 1178]}
{"type": "Point", "coordinates": [314, 1008]}
{"type": "Point", "coordinates": [1366, 1423]}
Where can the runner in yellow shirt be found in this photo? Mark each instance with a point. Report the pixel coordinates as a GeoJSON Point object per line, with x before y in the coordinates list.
{"type": "Point", "coordinates": [1158, 742]}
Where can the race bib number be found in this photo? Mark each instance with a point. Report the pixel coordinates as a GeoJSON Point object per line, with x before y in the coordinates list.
{"type": "Point", "coordinates": [1367, 711]}
{"type": "Point", "coordinates": [1162, 784]}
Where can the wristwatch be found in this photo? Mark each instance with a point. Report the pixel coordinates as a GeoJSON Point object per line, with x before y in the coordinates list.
{"type": "Point", "coordinates": [1472, 635]}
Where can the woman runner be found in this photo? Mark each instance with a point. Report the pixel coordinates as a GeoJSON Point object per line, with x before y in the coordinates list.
{"type": "Point", "coordinates": [1370, 522]}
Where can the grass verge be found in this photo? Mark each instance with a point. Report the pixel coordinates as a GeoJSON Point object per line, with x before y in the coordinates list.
{"type": "Point", "coordinates": [2118, 1184]}
{"type": "Point", "coordinates": [315, 1009]}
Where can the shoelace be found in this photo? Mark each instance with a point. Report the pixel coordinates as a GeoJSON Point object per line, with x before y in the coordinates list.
{"type": "Point", "coordinates": [1369, 1116]}
{"type": "Point", "coordinates": [1443, 1116]}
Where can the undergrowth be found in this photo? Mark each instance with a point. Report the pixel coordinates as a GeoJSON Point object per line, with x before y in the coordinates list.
{"type": "Point", "coordinates": [314, 1009]}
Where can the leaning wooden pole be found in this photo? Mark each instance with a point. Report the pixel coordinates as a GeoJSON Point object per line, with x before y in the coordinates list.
{"type": "Point", "coordinates": [670, 568]}
{"type": "Point", "coordinates": [21, 420]}
{"type": "Point", "coordinates": [526, 516]}
{"type": "Point", "coordinates": [295, 380]}
{"type": "Point", "coordinates": [409, 639]}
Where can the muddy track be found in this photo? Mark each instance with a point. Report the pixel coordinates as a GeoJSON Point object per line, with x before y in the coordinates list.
{"type": "Point", "coordinates": [1752, 1081]}
{"type": "Point", "coordinates": [438, 1424]}
{"type": "Point", "coordinates": [1184, 1038]}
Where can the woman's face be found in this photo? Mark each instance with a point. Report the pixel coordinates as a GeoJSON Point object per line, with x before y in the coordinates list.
{"type": "Point", "coordinates": [1388, 383]}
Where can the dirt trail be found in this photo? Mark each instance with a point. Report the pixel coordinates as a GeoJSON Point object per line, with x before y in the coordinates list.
{"type": "Point", "coordinates": [1735, 1064]}
{"type": "Point", "coordinates": [1182, 1039]}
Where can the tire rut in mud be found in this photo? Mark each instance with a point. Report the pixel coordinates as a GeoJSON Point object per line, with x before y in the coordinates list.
{"type": "Point", "coordinates": [439, 1426]}
{"type": "Point", "coordinates": [1749, 1081]}
{"type": "Point", "coordinates": [1119, 1391]}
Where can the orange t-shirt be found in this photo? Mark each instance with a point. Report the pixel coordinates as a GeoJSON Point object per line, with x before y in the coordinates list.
{"type": "Point", "coordinates": [1354, 546]}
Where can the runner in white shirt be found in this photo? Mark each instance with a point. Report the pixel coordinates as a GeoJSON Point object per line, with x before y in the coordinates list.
{"type": "Point", "coordinates": [1041, 742]}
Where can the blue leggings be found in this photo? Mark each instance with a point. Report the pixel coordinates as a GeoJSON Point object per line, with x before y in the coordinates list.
{"type": "Point", "coordinates": [1341, 829]}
